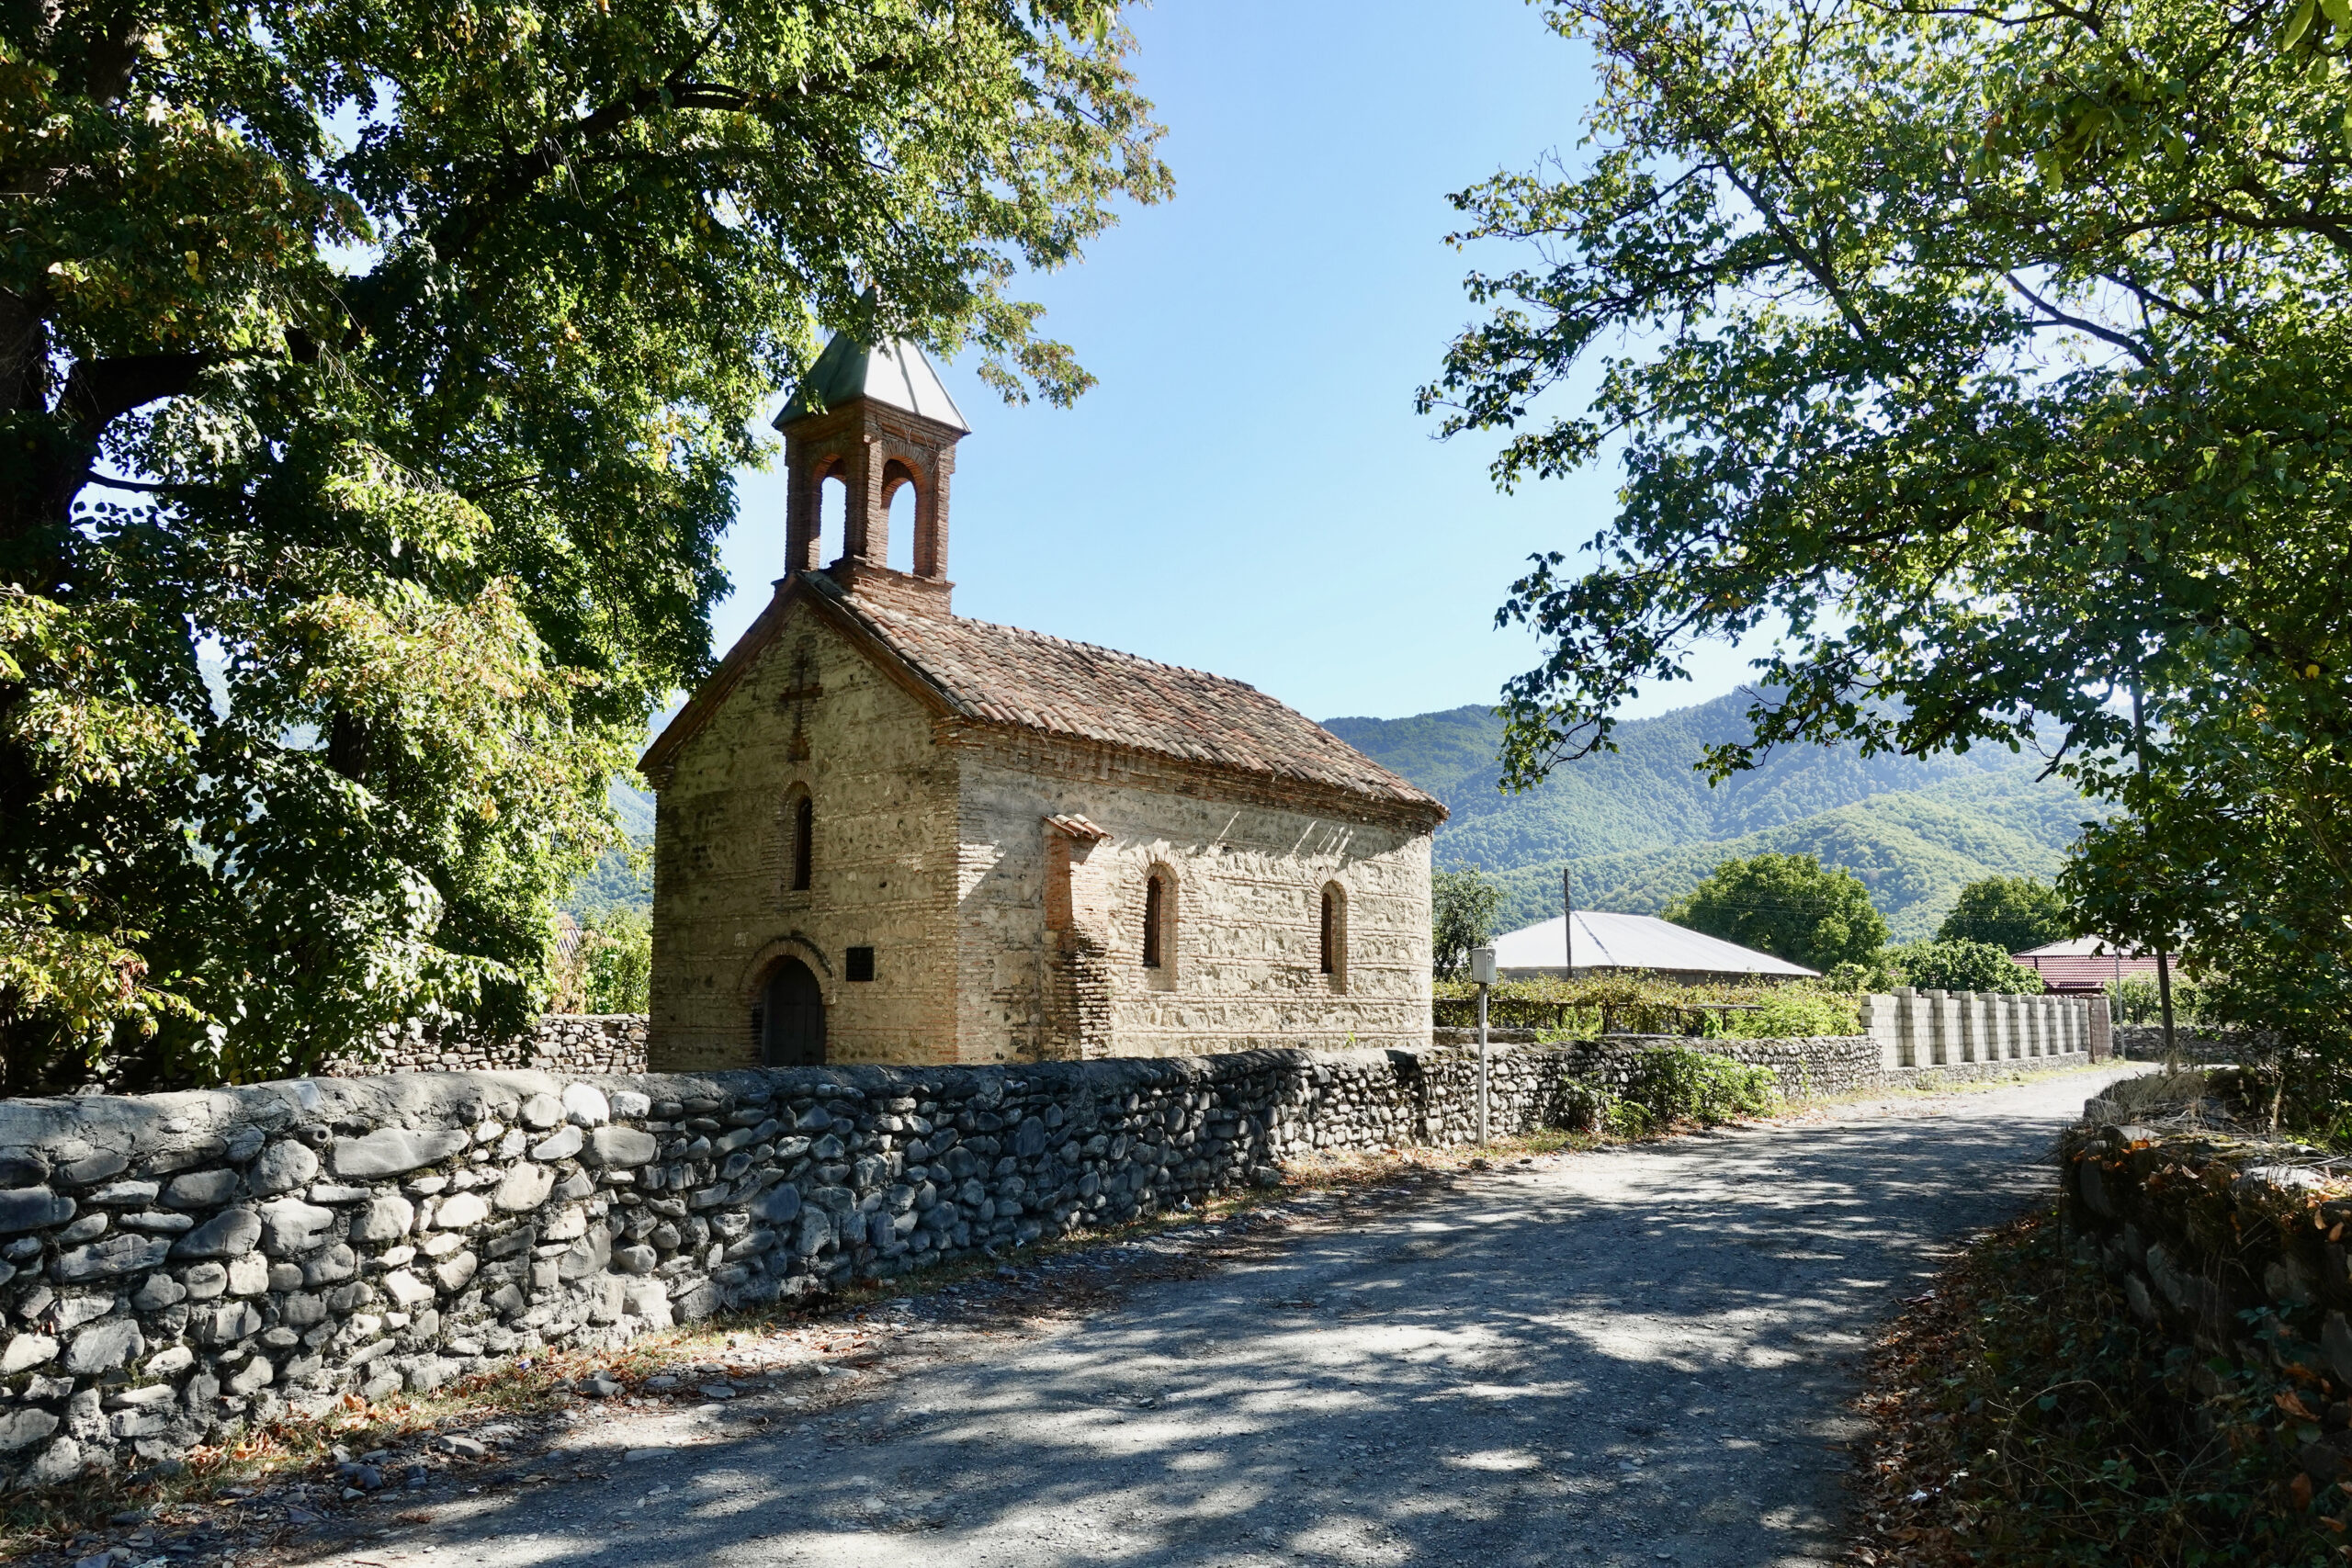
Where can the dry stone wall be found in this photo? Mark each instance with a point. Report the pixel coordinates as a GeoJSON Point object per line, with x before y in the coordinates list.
{"type": "Point", "coordinates": [172, 1266]}
{"type": "Point", "coordinates": [2235, 1253]}
{"type": "Point", "coordinates": [574, 1042]}
{"type": "Point", "coordinates": [2145, 1043]}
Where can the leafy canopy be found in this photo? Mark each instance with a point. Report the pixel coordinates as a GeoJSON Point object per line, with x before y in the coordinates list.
{"type": "Point", "coordinates": [1463, 906]}
{"type": "Point", "coordinates": [1789, 906]}
{"type": "Point", "coordinates": [610, 966]}
{"type": "Point", "coordinates": [370, 380]}
{"type": "Point", "coordinates": [1992, 356]}
{"type": "Point", "coordinates": [2012, 913]}
{"type": "Point", "coordinates": [1958, 963]}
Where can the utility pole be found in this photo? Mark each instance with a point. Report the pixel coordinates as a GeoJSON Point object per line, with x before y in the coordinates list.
{"type": "Point", "coordinates": [1568, 919]}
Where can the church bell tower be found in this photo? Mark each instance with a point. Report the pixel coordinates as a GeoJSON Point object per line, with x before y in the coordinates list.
{"type": "Point", "coordinates": [876, 419]}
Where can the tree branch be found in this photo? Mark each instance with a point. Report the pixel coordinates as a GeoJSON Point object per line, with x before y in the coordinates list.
{"type": "Point", "coordinates": [2062, 318]}
{"type": "Point", "coordinates": [99, 392]}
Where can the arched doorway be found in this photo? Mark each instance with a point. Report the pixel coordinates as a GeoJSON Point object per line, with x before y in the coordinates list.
{"type": "Point", "coordinates": [792, 1026]}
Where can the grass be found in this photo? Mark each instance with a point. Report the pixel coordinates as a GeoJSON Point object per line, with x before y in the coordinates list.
{"type": "Point", "coordinates": [2021, 1417]}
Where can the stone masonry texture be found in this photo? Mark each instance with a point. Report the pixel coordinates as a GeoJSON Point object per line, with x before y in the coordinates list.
{"type": "Point", "coordinates": [932, 846]}
{"type": "Point", "coordinates": [2145, 1043]}
{"type": "Point", "coordinates": [573, 1042]}
{"type": "Point", "coordinates": [174, 1265]}
{"type": "Point", "coordinates": [2229, 1249]}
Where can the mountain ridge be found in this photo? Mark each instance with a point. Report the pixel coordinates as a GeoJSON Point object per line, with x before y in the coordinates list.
{"type": "Point", "coordinates": [1640, 826]}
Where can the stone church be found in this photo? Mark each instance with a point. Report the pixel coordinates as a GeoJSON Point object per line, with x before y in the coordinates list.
{"type": "Point", "coordinates": [889, 833]}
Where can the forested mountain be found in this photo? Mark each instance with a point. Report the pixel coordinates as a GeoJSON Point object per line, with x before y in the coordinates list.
{"type": "Point", "coordinates": [1640, 826]}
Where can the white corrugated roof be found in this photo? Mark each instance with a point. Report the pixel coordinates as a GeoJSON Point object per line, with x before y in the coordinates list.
{"type": "Point", "coordinates": [1633, 942]}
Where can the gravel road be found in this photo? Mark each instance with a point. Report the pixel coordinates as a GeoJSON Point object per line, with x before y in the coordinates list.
{"type": "Point", "coordinates": [1635, 1357]}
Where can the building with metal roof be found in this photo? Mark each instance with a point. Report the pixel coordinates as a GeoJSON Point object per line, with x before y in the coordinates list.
{"type": "Point", "coordinates": [2086, 964]}
{"type": "Point", "coordinates": [1605, 943]}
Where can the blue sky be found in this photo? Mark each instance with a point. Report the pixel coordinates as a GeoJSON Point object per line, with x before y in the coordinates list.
{"type": "Point", "coordinates": [1249, 489]}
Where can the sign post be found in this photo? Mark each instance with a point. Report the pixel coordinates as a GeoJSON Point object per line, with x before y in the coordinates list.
{"type": "Point", "coordinates": [1482, 970]}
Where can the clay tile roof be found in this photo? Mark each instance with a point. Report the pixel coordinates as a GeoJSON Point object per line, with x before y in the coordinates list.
{"type": "Point", "coordinates": [1075, 827]}
{"type": "Point", "coordinates": [1003, 675]}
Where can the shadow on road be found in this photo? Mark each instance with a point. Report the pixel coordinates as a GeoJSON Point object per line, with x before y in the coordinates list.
{"type": "Point", "coordinates": [1636, 1356]}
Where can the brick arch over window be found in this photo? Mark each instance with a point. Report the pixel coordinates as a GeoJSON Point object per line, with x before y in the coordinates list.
{"type": "Point", "coordinates": [900, 506]}
{"type": "Point", "coordinates": [873, 466]}
{"type": "Point", "coordinates": [1159, 925]}
{"type": "Point", "coordinates": [804, 545]}
{"type": "Point", "coordinates": [797, 821]}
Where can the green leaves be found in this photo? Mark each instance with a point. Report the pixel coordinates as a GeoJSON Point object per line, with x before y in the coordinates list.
{"type": "Point", "coordinates": [1992, 438]}
{"type": "Point", "coordinates": [2011, 913]}
{"type": "Point", "coordinates": [372, 377]}
{"type": "Point", "coordinates": [1463, 903]}
{"type": "Point", "coordinates": [1789, 906]}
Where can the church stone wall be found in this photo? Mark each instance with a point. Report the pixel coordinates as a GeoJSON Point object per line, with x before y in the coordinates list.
{"type": "Point", "coordinates": [1243, 969]}
{"type": "Point", "coordinates": [813, 713]}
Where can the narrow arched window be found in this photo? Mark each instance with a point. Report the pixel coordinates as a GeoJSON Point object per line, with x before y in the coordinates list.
{"type": "Point", "coordinates": [1155, 915]}
{"type": "Point", "coordinates": [804, 842]}
{"type": "Point", "coordinates": [1334, 943]}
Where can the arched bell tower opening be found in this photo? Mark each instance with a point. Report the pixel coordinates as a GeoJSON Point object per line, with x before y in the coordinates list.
{"type": "Point", "coordinates": [901, 498]}
{"type": "Point", "coordinates": [878, 420]}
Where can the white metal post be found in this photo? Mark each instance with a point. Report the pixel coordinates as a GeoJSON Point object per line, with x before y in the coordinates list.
{"type": "Point", "coordinates": [1482, 969]}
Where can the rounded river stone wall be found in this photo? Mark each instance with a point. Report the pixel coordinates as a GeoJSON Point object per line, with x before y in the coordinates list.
{"type": "Point", "coordinates": [576, 1042]}
{"type": "Point", "coordinates": [172, 1266]}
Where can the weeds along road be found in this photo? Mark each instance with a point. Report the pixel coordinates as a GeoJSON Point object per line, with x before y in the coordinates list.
{"type": "Point", "coordinates": [1631, 1357]}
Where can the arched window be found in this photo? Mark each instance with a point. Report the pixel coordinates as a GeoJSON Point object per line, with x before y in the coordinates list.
{"type": "Point", "coordinates": [1334, 934]}
{"type": "Point", "coordinates": [1154, 916]}
{"type": "Point", "coordinates": [804, 842]}
{"type": "Point", "coordinates": [901, 496]}
{"type": "Point", "coordinates": [832, 516]}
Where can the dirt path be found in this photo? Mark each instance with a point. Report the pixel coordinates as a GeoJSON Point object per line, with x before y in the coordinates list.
{"type": "Point", "coordinates": [1636, 1356]}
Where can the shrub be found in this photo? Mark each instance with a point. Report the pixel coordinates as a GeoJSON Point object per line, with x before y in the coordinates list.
{"type": "Point", "coordinates": [1644, 1004]}
{"type": "Point", "coordinates": [611, 966]}
{"type": "Point", "coordinates": [2025, 1418]}
{"type": "Point", "coordinates": [1789, 1012]}
{"type": "Point", "coordinates": [1578, 1010]}
{"type": "Point", "coordinates": [620, 962]}
{"type": "Point", "coordinates": [1954, 966]}
{"type": "Point", "coordinates": [1674, 1085]}
{"type": "Point", "coordinates": [2013, 913]}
